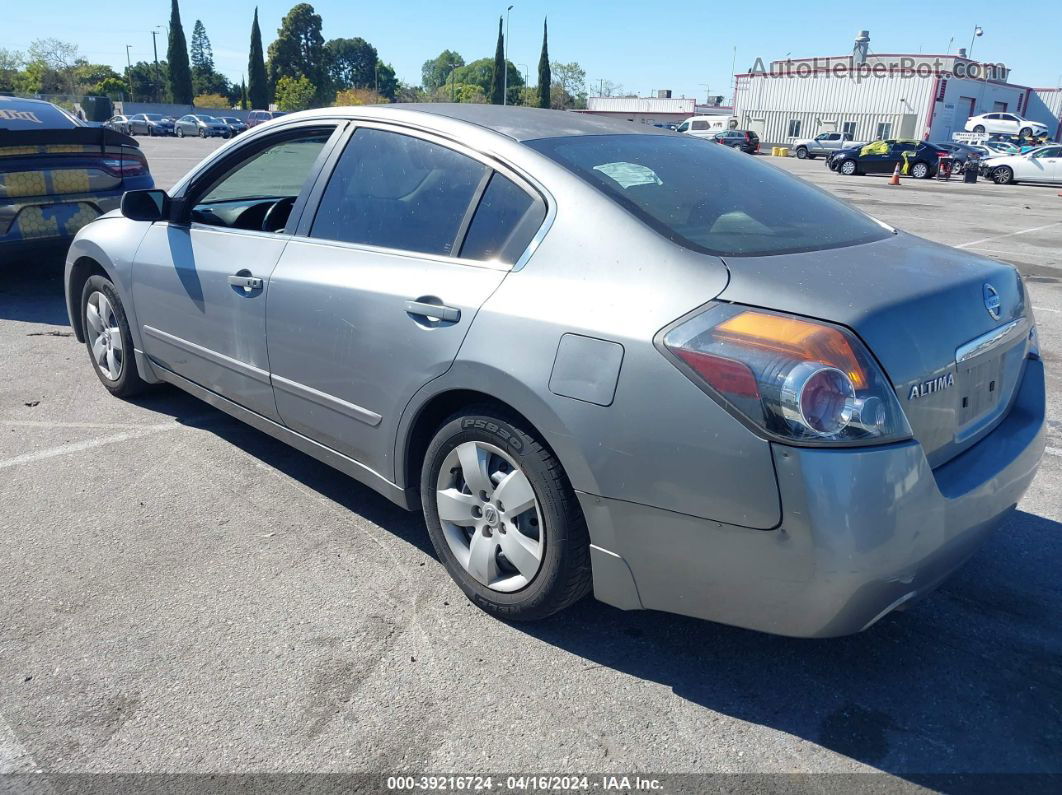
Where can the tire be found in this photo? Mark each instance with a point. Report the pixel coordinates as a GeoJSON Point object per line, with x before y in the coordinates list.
{"type": "Point", "coordinates": [802, 153]}
{"type": "Point", "coordinates": [555, 567]}
{"type": "Point", "coordinates": [121, 377]}
{"type": "Point", "coordinates": [848, 167]}
{"type": "Point", "coordinates": [1025, 132]}
{"type": "Point", "coordinates": [979, 129]}
{"type": "Point", "coordinates": [179, 132]}
{"type": "Point", "coordinates": [1003, 175]}
{"type": "Point", "coordinates": [202, 133]}
{"type": "Point", "coordinates": [920, 170]}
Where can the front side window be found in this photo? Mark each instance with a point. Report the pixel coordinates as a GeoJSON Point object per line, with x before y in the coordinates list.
{"type": "Point", "coordinates": [699, 125]}
{"type": "Point", "coordinates": [705, 199]}
{"type": "Point", "coordinates": [243, 196]}
{"type": "Point", "coordinates": [683, 127]}
{"type": "Point", "coordinates": [397, 191]}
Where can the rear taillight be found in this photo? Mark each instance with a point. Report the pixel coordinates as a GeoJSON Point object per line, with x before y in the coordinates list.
{"type": "Point", "coordinates": [796, 379]}
{"type": "Point", "coordinates": [127, 163]}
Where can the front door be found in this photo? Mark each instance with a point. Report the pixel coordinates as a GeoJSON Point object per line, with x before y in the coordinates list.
{"type": "Point", "coordinates": [1045, 165]}
{"type": "Point", "coordinates": [374, 296]}
{"type": "Point", "coordinates": [200, 287]}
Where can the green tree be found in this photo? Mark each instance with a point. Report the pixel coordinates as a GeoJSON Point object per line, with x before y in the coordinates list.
{"type": "Point", "coordinates": [257, 81]}
{"type": "Point", "coordinates": [435, 72]}
{"type": "Point", "coordinates": [11, 63]}
{"type": "Point", "coordinates": [142, 83]}
{"type": "Point", "coordinates": [243, 96]}
{"type": "Point", "coordinates": [481, 73]}
{"type": "Point", "coordinates": [201, 51]}
{"type": "Point", "coordinates": [113, 87]}
{"type": "Point", "coordinates": [177, 55]}
{"type": "Point", "coordinates": [497, 85]}
{"type": "Point", "coordinates": [351, 63]}
{"type": "Point", "coordinates": [569, 85]}
{"type": "Point", "coordinates": [298, 50]}
{"type": "Point", "coordinates": [545, 79]}
{"type": "Point", "coordinates": [386, 82]}
{"type": "Point", "coordinates": [295, 93]}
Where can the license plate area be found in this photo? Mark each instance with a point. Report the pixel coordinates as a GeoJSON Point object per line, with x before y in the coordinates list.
{"type": "Point", "coordinates": [980, 383]}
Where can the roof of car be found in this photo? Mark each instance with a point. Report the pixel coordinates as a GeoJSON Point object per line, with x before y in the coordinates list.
{"type": "Point", "coordinates": [525, 124]}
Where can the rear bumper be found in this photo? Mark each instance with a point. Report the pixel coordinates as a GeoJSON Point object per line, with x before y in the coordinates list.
{"type": "Point", "coordinates": [862, 532]}
{"type": "Point", "coordinates": [51, 220]}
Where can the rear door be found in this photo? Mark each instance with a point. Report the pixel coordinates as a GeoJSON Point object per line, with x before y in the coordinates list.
{"type": "Point", "coordinates": [375, 294]}
{"type": "Point", "coordinates": [200, 289]}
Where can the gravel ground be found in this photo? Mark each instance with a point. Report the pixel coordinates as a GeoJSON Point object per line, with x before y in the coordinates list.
{"type": "Point", "coordinates": [184, 594]}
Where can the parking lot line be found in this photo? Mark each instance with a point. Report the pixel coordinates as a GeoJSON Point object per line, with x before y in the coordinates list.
{"type": "Point", "coordinates": [88, 444]}
{"type": "Point", "coordinates": [1009, 234]}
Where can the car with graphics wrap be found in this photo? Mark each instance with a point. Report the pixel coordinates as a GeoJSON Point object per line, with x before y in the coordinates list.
{"type": "Point", "coordinates": [56, 174]}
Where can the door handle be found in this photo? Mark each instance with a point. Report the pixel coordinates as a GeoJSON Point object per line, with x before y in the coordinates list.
{"type": "Point", "coordinates": [449, 314]}
{"type": "Point", "coordinates": [248, 283]}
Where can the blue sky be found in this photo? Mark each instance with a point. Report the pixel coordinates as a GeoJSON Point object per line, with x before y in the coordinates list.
{"type": "Point", "coordinates": [683, 45]}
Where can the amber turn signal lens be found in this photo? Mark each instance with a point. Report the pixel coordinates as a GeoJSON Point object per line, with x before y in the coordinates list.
{"type": "Point", "coordinates": [798, 338]}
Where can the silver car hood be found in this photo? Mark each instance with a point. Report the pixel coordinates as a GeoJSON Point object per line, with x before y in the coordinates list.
{"type": "Point", "coordinates": [913, 302]}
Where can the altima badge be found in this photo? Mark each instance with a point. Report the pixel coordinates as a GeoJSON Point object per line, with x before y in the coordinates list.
{"type": "Point", "coordinates": [992, 301]}
{"type": "Point", "coordinates": [929, 387]}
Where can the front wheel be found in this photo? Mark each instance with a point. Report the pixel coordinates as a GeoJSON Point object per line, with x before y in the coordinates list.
{"type": "Point", "coordinates": [802, 153]}
{"type": "Point", "coordinates": [202, 133]}
{"type": "Point", "coordinates": [1025, 132]}
{"type": "Point", "coordinates": [107, 337]}
{"type": "Point", "coordinates": [503, 518]}
{"type": "Point", "coordinates": [1003, 175]}
{"type": "Point", "coordinates": [848, 167]}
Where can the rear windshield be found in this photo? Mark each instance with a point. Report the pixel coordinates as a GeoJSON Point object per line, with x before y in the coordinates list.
{"type": "Point", "coordinates": [710, 198]}
{"type": "Point", "coordinates": [15, 115]}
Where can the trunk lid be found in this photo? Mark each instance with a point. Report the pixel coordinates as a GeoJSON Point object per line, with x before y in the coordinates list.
{"type": "Point", "coordinates": [922, 309]}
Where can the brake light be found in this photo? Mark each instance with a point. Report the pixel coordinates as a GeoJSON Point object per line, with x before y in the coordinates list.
{"type": "Point", "coordinates": [796, 379]}
{"type": "Point", "coordinates": [127, 163]}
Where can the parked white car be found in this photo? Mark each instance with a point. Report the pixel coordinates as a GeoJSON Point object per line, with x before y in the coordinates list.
{"type": "Point", "coordinates": [1039, 165]}
{"type": "Point", "coordinates": [704, 126]}
{"type": "Point", "coordinates": [1009, 123]}
{"type": "Point", "coordinates": [822, 144]}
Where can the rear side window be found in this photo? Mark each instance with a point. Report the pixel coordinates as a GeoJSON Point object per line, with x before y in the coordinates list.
{"type": "Point", "coordinates": [699, 125]}
{"type": "Point", "coordinates": [400, 192]}
{"type": "Point", "coordinates": [505, 221]}
{"type": "Point", "coordinates": [16, 115]}
{"type": "Point", "coordinates": [704, 198]}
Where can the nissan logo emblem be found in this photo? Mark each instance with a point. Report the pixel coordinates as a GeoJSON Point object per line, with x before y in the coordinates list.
{"type": "Point", "coordinates": [992, 301]}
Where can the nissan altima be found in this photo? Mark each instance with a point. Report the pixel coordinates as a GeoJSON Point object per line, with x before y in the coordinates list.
{"type": "Point", "coordinates": [598, 356]}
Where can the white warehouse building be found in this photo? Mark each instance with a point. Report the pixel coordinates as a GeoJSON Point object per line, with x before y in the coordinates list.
{"type": "Point", "coordinates": [872, 96]}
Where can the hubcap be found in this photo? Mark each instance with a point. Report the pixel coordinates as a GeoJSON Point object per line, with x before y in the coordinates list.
{"type": "Point", "coordinates": [490, 516]}
{"type": "Point", "coordinates": [848, 168]}
{"type": "Point", "coordinates": [107, 348]}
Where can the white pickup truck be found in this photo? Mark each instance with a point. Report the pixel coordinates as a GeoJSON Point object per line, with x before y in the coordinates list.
{"type": "Point", "coordinates": [822, 144]}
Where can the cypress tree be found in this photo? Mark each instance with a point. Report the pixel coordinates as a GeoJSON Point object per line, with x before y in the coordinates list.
{"type": "Point", "coordinates": [497, 80]}
{"type": "Point", "coordinates": [545, 78]}
{"type": "Point", "coordinates": [177, 55]}
{"type": "Point", "coordinates": [257, 82]}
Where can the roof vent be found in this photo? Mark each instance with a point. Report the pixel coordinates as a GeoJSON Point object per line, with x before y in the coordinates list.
{"type": "Point", "coordinates": [861, 47]}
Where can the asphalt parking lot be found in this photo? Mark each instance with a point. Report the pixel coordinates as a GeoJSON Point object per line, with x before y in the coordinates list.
{"type": "Point", "coordinates": [182, 593]}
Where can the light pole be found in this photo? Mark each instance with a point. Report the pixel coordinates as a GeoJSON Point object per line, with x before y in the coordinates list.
{"type": "Point", "coordinates": [977, 32]}
{"type": "Point", "coordinates": [158, 80]}
{"type": "Point", "coordinates": [128, 69]}
{"type": "Point", "coordinates": [505, 57]}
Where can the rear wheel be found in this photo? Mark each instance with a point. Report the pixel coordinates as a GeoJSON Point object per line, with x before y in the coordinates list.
{"type": "Point", "coordinates": [107, 338]}
{"type": "Point", "coordinates": [979, 129]}
{"type": "Point", "coordinates": [848, 167]}
{"type": "Point", "coordinates": [180, 132]}
{"type": "Point", "coordinates": [802, 153]}
{"type": "Point", "coordinates": [920, 170]}
{"type": "Point", "coordinates": [503, 517]}
{"type": "Point", "coordinates": [1003, 175]}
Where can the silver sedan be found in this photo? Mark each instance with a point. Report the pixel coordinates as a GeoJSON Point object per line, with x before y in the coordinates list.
{"type": "Point", "coordinates": [597, 356]}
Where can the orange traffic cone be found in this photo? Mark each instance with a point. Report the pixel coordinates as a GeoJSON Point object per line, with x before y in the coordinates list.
{"type": "Point", "coordinates": [895, 175]}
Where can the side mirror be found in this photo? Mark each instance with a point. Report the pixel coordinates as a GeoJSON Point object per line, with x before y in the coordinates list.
{"type": "Point", "coordinates": [145, 205]}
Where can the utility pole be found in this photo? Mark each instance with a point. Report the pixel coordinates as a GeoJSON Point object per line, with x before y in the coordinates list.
{"type": "Point", "coordinates": [505, 57]}
{"type": "Point", "coordinates": [158, 80]}
{"type": "Point", "coordinates": [128, 69]}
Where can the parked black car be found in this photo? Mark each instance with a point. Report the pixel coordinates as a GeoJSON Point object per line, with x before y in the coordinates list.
{"type": "Point", "coordinates": [918, 159]}
{"type": "Point", "coordinates": [150, 124]}
{"type": "Point", "coordinates": [962, 154]}
{"type": "Point", "coordinates": [745, 140]}
{"type": "Point", "coordinates": [236, 126]}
